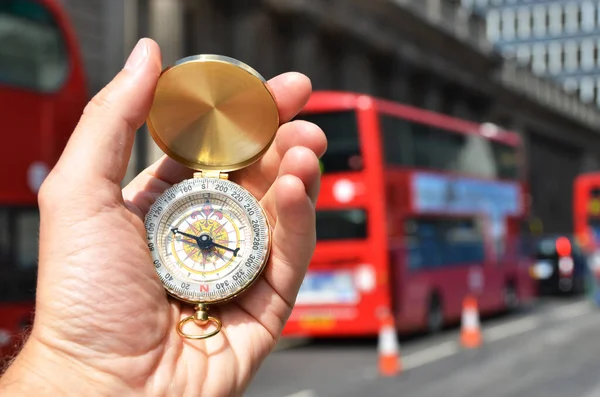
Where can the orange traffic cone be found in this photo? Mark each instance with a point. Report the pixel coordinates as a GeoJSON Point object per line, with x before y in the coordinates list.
{"type": "Point", "coordinates": [470, 335]}
{"type": "Point", "coordinates": [388, 347]}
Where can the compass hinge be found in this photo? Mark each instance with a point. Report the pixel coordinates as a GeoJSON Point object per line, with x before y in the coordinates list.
{"type": "Point", "coordinates": [211, 174]}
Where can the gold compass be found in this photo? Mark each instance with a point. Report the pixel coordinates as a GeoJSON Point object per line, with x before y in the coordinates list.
{"type": "Point", "coordinates": [209, 237]}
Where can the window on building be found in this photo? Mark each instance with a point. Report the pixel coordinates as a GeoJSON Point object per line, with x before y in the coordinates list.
{"type": "Point", "coordinates": [588, 15]}
{"type": "Point", "coordinates": [508, 24]}
{"type": "Point", "coordinates": [571, 17]}
{"type": "Point", "coordinates": [571, 50]}
{"type": "Point", "coordinates": [555, 19]}
{"type": "Point", "coordinates": [508, 51]}
{"type": "Point", "coordinates": [554, 57]}
{"type": "Point", "coordinates": [524, 54]}
{"type": "Point", "coordinates": [493, 25]}
{"type": "Point", "coordinates": [588, 49]}
{"type": "Point", "coordinates": [538, 60]}
{"type": "Point", "coordinates": [539, 20]}
{"type": "Point", "coordinates": [570, 85]}
{"type": "Point", "coordinates": [586, 89]}
{"type": "Point", "coordinates": [524, 22]}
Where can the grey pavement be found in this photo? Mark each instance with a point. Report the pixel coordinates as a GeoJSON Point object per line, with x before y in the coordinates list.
{"type": "Point", "coordinates": [551, 349]}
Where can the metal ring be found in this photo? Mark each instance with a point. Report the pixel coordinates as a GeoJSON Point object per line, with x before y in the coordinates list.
{"type": "Point", "coordinates": [204, 336]}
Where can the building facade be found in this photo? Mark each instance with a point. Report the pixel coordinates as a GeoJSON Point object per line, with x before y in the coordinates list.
{"type": "Point", "coordinates": [556, 38]}
{"type": "Point", "coordinates": [431, 54]}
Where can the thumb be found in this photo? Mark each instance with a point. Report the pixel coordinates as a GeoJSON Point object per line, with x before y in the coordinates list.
{"type": "Point", "coordinates": [98, 151]}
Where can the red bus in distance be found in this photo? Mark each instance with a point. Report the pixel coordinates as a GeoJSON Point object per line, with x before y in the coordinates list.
{"type": "Point", "coordinates": [416, 211]}
{"type": "Point", "coordinates": [586, 216]}
{"type": "Point", "coordinates": [42, 95]}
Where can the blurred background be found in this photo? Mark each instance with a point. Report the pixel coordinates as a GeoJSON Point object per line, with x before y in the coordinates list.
{"type": "Point", "coordinates": [459, 218]}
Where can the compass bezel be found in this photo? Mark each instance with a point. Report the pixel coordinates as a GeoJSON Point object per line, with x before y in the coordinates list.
{"type": "Point", "coordinates": [183, 191]}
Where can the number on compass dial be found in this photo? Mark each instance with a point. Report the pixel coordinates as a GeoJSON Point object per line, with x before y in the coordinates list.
{"type": "Point", "coordinates": [208, 239]}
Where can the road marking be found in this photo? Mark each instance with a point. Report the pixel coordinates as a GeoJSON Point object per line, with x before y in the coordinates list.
{"type": "Point", "coordinates": [304, 393]}
{"type": "Point", "coordinates": [572, 310]}
{"type": "Point", "coordinates": [429, 355]}
{"type": "Point", "coordinates": [510, 329]}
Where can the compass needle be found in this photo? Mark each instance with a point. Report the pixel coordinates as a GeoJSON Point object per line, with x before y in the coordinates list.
{"type": "Point", "coordinates": [208, 236]}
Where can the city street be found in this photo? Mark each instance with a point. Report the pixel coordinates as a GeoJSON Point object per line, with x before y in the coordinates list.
{"type": "Point", "coordinates": [549, 350]}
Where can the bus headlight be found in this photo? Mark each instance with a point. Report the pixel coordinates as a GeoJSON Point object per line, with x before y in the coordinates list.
{"type": "Point", "coordinates": [364, 277]}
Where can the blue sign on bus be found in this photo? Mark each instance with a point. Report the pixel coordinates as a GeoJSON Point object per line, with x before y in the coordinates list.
{"type": "Point", "coordinates": [434, 193]}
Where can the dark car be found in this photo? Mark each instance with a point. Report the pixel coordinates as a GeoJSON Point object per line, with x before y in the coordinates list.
{"type": "Point", "coordinates": [559, 266]}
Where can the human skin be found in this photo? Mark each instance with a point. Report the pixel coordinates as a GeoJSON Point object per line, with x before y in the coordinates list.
{"type": "Point", "coordinates": [104, 325]}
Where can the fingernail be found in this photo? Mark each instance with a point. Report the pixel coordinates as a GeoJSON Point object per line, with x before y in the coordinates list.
{"type": "Point", "coordinates": [137, 56]}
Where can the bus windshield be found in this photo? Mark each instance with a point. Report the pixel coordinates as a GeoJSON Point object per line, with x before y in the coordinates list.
{"type": "Point", "coordinates": [343, 224]}
{"type": "Point", "coordinates": [32, 50]}
{"type": "Point", "coordinates": [343, 148]}
{"type": "Point", "coordinates": [412, 144]}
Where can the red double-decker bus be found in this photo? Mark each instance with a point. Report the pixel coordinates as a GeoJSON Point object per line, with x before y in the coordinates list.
{"type": "Point", "coordinates": [416, 211]}
{"type": "Point", "coordinates": [586, 217]}
{"type": "Point", "coordinates": [586, 210]}
{"type": "Point", "coordinates": [42, 95]}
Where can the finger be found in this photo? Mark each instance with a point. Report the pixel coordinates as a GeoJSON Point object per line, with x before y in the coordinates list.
{"type": "Point", "coordinates": [146, 187]}
{"type": "Point", "coordinates": [291, 91]}
{"type": "Point", "coordinates": [100, 147]}
{"type": "Point", "coordinates": [302, 163]}
{"type": "Point", "coordinates": [271, 300]}
{"type": "Point", "coordinates": [261, 175]}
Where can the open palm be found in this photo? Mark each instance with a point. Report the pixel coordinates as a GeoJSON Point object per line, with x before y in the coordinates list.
{"type": "Point", "coordinates": [100, 305]}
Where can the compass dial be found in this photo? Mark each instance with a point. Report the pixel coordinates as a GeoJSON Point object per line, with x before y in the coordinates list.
{"type": "Point", "coordinates": [209, 239]}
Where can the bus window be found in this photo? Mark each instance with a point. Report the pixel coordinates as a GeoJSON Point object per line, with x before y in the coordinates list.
{"type": "Point", "coordinates": [32, 50]}
{"type": "Point", "coordinates": [397, 135]}
{"type": "Point", "coordinates": [435, 242]}
{"type": "Point", "coordinates": [343, 147]}
{"type": "Point", "coordinates": [19, 237]}
{"type": "Point", "coordinates": [345, 224]}
{"type": "Point", "coordinates": [18, 253]}
{"type": "Point", "coordinates": [413, 144]}
{"type": "Point", "coordinates": [505, 158]}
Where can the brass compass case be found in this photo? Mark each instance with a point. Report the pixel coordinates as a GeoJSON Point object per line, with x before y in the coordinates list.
{"type": "Point", "coordinates": [212, 112]}
{"type": "Point", "coordinates": [209, 237]}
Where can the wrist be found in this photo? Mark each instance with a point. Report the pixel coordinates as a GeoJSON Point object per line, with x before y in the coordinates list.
{"type": "Point", "coordinates": [41, 371]}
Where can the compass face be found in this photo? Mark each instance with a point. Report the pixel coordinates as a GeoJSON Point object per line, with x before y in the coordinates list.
{"type": "Point", "coordinates": [209, 239]}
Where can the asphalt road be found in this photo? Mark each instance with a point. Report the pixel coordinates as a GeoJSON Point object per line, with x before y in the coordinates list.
{"type": "Point", "coordinates": [549, 350]}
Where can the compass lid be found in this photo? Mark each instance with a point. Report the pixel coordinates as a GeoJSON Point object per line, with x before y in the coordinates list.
{"type": "Point", "coordinates": [212, 112]}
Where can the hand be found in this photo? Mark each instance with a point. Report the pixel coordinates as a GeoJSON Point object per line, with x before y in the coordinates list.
{"type": "Point", "coordinates": [104, 324]}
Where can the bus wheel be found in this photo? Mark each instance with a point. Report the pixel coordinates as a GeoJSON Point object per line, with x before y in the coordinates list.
{"type": "Point", "coordinates": [510, 296]}
{"type": "Point", "coordinates": [435, 315]}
